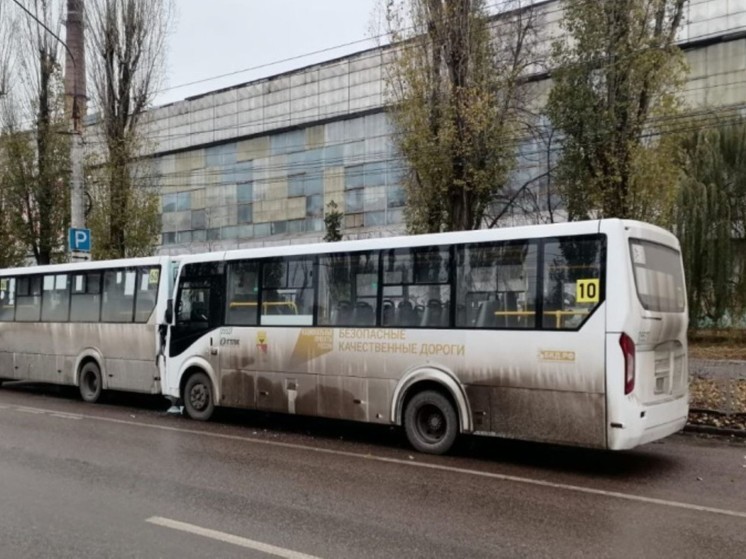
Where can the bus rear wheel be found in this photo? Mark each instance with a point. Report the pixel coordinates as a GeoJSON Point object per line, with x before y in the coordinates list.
{"type": "Point", "coordinates": [198, 400]}
{"type": "Point", "coordinates": [91, 385]}
{"type": "Point", "coordinates": [430, 422]}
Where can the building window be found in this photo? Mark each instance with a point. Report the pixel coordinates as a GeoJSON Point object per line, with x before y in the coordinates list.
{"type": "Point", "coordinates": [245, 192]}
{"type": "Point", "coordinates": [199, 219]}
{"type": "Point", "coordinates": [245, 213]}
{"type": "Point", "coordinates": [169, 203]}
{"type": "Point", "coordinates": [396, 196]}
{"type": "Point", "coordinates": [374, 219]}
{"type": "Point", "coordinates": [183, 201]}
{"type": "Point", "coordinates": [314, 224]}
{"type": "Point", "coordinates": [354, 177]}
{"type": "Point", "coordinates": [297, 226]}
{"type": "Point", "coordinates": [354, 201]}
{"type": "Point", "coordinates": [296, 185]}
{"type": "Point", "coordinates": [375, 174]}
{"type": "Point", "coordinates": [315, 206]}
{"type": "Point", "coordinates": [262, 230]}
{"type": "Point", "coordinates": [353, 220]}
{"type": "Point", "coordinates": [230, 232]}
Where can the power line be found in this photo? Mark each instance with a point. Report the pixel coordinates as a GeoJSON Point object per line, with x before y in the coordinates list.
{"type": "Point", "coordinates": [495, 17]}
{"type": "Point", "coordinates": [301, 56]}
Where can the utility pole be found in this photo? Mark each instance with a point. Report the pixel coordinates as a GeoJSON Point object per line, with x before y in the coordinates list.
{"type": "Point", "coordinates": [75, 107]}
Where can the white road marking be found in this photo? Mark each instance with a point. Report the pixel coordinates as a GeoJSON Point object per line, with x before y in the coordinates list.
{"type": "Point", "coordinates": [229, 538]}
{"type": "Point", "coordinates": [66, 416]}
{"type": "Point", "coordinates": [424, 465]}
{"type": "Point", "coordinates": [30, 410]}
{"type": "Point", "coordinates": [41, 411]}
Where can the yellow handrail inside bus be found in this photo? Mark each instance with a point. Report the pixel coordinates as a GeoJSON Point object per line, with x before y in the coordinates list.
{"type": "Point", "coordinates": [557, 314]}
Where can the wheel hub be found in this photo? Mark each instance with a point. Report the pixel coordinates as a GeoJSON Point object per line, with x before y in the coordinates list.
{"type": "Point", "coordinates": [432, 424]}
{"type": "Point", "coordinates": [198, 397]}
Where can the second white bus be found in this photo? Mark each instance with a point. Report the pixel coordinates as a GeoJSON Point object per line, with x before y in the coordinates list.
{"type": "Point", "coordinates": [95, 325]}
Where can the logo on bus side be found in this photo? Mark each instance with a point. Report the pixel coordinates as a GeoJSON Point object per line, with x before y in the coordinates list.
{"type": "Point", "coordinates": [545, 355]}
{"type": "Point", "coordinates": [261, 341]}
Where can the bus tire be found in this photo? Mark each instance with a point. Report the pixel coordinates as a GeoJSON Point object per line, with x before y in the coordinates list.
{"type": "Point", "coordinates": [430, 422]}
{"type": "Point", "coordinates": [197, 397]}
{"type": "Point", "coordinates": [90, 384]}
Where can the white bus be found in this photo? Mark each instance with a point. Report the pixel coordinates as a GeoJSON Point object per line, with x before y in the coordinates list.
{"type": "Point", "coordinates": [94, 325]}
{"type": "Point", "coordinates": [572, 333]}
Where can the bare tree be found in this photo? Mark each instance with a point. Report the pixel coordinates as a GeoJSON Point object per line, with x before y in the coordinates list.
{"type": "Point", "coordinates": [35, 144]}
{"type": "Point", "coordinates": [7, 23]}
{"type": "Point", "coordinates": [127, 54]}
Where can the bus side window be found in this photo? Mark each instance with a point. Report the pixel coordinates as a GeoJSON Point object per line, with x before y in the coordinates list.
{"type": "Point", "coordinates": [119, 296]}
{"type": "Point", "coordinates": [147, 291]}
{"type": "Point", "coordinates": [572, 280]}
{"type": "Point", "coordinates": [7, 299]}
{"type": "Point", "coordinates": [85, 303]}
{"type": "Point", "coordinates": [55, 298]}
{"type": "Point", "coordinates": [28, 299]}
{"type": "Point", "coordinates": [496, 285]}
{"type": "Point", "coordinates": [242, 301]}
{"type": "Point", "coordinates": [348, 289]}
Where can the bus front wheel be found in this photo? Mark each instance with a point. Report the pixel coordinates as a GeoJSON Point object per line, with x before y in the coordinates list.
{"type": "Point", "coordinates": [198, 400]}
{"type": "Point", "coordinates": [430, 422]}
{"type": "Point", "coordinates": [91, 384]}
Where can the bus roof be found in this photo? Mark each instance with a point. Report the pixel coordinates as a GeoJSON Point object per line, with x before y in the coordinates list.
{"type": "Point", "coordinates": [406, 241]}
{"type": "Point", "coordinates": [86, 265]}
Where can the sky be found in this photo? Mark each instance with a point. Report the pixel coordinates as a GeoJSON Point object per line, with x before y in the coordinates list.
{"type": "Point", "coordinates": [215, 37]}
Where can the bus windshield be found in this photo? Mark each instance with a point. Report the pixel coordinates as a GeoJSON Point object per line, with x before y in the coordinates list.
{"type": "Point", "coordinates": [658, 276]}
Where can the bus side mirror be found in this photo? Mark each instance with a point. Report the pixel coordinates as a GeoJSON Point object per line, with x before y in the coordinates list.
{"type": "Point", "coordinates": [169, 311]}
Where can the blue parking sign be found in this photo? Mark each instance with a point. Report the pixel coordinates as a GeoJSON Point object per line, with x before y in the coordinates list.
{"type": "Point", "coordinates": [80, 240]}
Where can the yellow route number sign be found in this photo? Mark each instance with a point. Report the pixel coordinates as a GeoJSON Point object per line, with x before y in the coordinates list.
{"type": "Point", "coordinates": [587, 291]}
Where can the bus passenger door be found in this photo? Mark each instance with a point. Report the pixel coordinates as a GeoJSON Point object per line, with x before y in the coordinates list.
{"type": "Point", "coordinates": [198, 310]}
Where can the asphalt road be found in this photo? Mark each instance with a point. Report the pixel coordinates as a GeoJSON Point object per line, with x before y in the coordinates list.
{"type": "Point", "coordinates": [122, 479]}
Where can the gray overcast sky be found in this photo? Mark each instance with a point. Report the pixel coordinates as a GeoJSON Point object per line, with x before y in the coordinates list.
{"type": "Point", "coordinates": [216, 37]}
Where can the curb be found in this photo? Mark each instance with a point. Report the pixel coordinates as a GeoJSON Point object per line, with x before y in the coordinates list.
{"type": "Point", "coordinates": [708, 430]}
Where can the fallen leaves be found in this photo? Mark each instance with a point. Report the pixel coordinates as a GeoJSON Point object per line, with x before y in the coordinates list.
{"type": "Point", "coordinates": [718, 402]}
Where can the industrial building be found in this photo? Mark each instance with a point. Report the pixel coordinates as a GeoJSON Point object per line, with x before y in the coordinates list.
{"type": "Point", "coordinates": [256, 164]}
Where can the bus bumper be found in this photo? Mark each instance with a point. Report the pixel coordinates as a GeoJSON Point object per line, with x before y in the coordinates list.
{"type": "Point", "coordinates": [650, 423]}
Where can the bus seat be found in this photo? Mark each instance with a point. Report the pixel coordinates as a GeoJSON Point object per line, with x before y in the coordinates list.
{"type": "Point", "coordinates": [387, 317]}
{"type": "Point", "coordinates": [431, 316]}
{"type": "Point", "coordinates": [363, 314]}
{"type": "Point", "coordinates": [486, 317]}
{"type": "Point", "coordinates": [343, 313]}
{"type": "Point", "coordinates": [406, 315]}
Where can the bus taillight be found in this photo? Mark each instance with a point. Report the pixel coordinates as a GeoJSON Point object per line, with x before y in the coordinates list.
{"type": "Point", "coordinates": [628, 349]}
